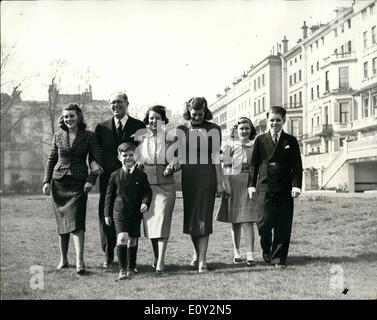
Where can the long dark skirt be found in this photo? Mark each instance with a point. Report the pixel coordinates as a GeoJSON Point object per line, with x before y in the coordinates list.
{"type": "Point", "coordinates": [199, 193]}
{"type": "Point", "coordinates": [69, 203]}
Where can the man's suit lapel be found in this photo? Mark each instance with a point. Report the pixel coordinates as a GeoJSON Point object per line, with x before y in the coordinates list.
{"type": "Point", "coordinates": [270, 147]}
{"type": "Point", "coordinates": [279, 146]}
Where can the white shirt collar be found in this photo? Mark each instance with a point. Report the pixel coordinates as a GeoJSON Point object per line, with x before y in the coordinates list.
{"type": "Point", "coordinates": [247, 144]}
{"type": "Point", "coordinates": [272, 134]}
{"type": "Point", "coordinates": [123, 120]}
{"type": "Point", "coordinates": [131, 169]}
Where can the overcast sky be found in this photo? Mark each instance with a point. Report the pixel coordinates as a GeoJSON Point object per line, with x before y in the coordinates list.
{"type": "Point", "coordinates": [157, 51]}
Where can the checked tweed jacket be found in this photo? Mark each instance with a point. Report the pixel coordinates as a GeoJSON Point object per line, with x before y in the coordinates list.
{"type": "Point", "coordinates": [63, 157]}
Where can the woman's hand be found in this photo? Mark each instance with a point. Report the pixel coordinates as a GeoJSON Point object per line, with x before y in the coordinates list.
{"type": "Point", "coordinates": [139, 165]}
{"type": "Point", "coordinates": [88, 187]}
{"type": "Point", "coordinates": [220, 190]}
{"type": "Point", "coordinates": [143, 208]}
{"type": "Point", "coordinates": [108, 221]}
{"type": "Point", "coordinates": [46, 189]}
{"type": "Point", "coordinates": [95, 168]}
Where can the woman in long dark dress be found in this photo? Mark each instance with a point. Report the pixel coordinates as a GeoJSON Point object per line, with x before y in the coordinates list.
{"type": "Point", "coordinates": [66, 175]}
{"type": "Point", "coordinates": [201, 175]}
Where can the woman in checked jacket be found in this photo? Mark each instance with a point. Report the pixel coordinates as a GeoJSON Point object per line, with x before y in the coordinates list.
{"type": "Point", "coordinates": [66, 176]}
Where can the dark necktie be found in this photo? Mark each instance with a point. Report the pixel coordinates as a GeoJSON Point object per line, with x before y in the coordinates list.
{"type": "Point", "coordinates": [128, 172]}
{"type": "Point", "coordinates": [120, 129]}
{"type": "Point", "coordinates": [275, 138]}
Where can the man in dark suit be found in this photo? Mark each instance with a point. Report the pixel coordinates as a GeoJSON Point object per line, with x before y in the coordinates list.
{"type": "Point", "coordinates": [276, 166]}
{"type": "Point", "coordinates": [111, 133]}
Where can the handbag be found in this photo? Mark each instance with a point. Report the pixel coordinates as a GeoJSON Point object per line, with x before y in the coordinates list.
{"type": "Point", "coordinates": [223, 211]}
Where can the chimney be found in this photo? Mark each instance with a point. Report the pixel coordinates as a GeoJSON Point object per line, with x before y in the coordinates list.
{"type": "Point", "coordinates": [304, 30]}
{"type": "Point", "coordinates": [285, 45]}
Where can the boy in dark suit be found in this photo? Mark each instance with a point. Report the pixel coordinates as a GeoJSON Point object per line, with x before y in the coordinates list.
{"type": "Point", "coordinates": [111, 133]}
{"type": "Point", "coordinates": [128, 196]}
{"type": "Point", "coordinates": [276, 165]}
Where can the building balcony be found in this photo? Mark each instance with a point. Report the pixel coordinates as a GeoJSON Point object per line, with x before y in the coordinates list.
{"type": "Point", "coordinates": [338, 58]}
{"type": "Point", "coordinates": [324, 130]}
{"type": "Point", "coordinates": [311, 137]}
{"type": "Point", "coordinates": [342, 127]}
{"type": "Point", "coordinates": [365, 124]}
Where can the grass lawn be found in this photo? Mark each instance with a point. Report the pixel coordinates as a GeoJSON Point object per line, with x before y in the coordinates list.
{"type": "Point", "coordinates": [330, 234]}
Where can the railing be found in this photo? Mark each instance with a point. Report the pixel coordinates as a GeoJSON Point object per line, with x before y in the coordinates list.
{"type": "Point", "coordinates": [340, 56]}
{"type": "Point", "coordinates": [351, 150]}
{"type": "Point", "coordinates": [323, 130]}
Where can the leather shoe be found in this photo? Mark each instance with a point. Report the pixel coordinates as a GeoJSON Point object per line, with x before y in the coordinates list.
{"type": "Point", "coordinates": [280, 266]}
{"type": "Point", "coordinates": [266, 258]}
{"type": "Point", "coordinates": [237, 260]}
{"type": "Point", "coordinates": [80, 270]}
{"type": "Point", "coordinates": [250, 263]}
{"type": "Point", "coordinates": [62, 266]}
{"type": "Point", "coordinates": [194, 263]}
{"type": "Point", "coordinates": [107, 264]}
{"type": "Point", "coordinates": [122, 275]}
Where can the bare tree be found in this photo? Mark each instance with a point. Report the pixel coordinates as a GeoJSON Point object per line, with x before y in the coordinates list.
{"type": "Point", "coordinates": [10, 117]}
{"type": "Point", "coordinates": [54, 91]}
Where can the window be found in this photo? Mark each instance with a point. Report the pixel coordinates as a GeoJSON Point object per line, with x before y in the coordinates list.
{"type": "Point", "coordinates": [317, 90]}
{"type": "Point", "coordinates": [323, 40]}
{"type": "Point", "coordinates": [335, 32]}
{"type": "Point", "coordinates": [294, 78]}
{"type": "Point", "coordinates": [312, 69]}
{"type": "Point", "coordinates": [300, 98]}
{"type": "Point", "coordinates": [290, 102]}
{"type": "Point", "coordinates": [294, 100]}
{"type": "Point", "coordinates": [349, 23]}
{"type": "Point", "coordinates": [316, 44]}
{"type": "Point", "coordinates": [290, 80]}
{"type": "Point", "coordinates": [374, 105]}
{"type": "Point", "coordinates": [365, 39]}
{"type": "Point", "coordinates": [296, 60]}
{"type": "Point", "coordinates": [263, 104]}
{"type": "Point", "coordinates": [259, 110]}
{"type": "Point", "coordinates": [312, 93]}
{"type": "Point", "coordinates": [317, 65]}
{"type": "Point", "coordinates": [374, 35]}
{"type": "Point", "coordinates": [343, 77]}
{"type": "Point", "coordinates": [300, 56]}
{"type": "Point", "coordinates": [263, 80]}
{"type": "Point", "coordinates": [344, 112]}
{"type": "Point", "coordinates": [342, 27]}
{"type": "Point", "coordinates": [311, 48]}
{"type": "Point", "coordinates": [258, 82]}
{"type": "Point", "coordinates": [327, 84]}
{"type": "Point", "coordinates": [317, 121]}
{"type": "Point", "coordinates": [299, 75]}
{"type": "Point", "coordinates": [255, 108]}
{"type": "Point", "coordinates": [374, 67]}
{"type": "Point", "coordinates": [365, 70]}
{"type": "Point", "coordinates": [365, 107]}
{"type": "Point", "coordinates": [349, 46]}
{"type": "Point", "coordinates": [255, 84]}
{"type": "Point", "coordinates": [295, 127]}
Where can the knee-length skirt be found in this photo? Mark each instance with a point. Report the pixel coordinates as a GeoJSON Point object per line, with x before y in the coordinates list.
{"type": "Point", "coordinates": [69, 203]}
{"type": "Point", "coordinates": [157, 220]}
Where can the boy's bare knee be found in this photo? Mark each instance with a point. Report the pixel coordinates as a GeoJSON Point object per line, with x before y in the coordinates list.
{"type": "Point", "coordinates": [122, 239]}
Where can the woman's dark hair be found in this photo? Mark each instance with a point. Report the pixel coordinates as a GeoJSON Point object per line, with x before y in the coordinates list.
{"type": "Point", "coordinates": [197, 103]}
{"type": "Point", "coordinates": [242, 120]}
{"type": "Point", "coordinates": [73, 107]}
{"type": "Point", "coordinates": [161, 110]}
